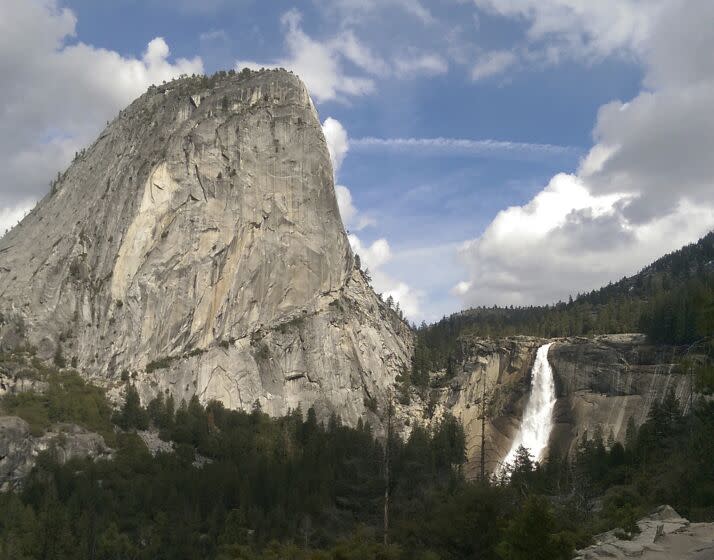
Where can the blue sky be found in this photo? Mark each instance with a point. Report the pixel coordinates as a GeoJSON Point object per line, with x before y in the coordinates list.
{"type": "Point", "coordinates": [522, 73]}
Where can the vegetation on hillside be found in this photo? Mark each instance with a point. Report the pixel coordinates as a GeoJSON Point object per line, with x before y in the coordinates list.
{"type": "Point", "coordinates": [672, 301]}
{"type": "Point", "coordinates": [68, 398]}
{"type": "Point", "coordinates": [668, 461]}
{"type": "Point", "coordinates": [65, 397]}
{"type": "Point", "coordinates": [246, 486]}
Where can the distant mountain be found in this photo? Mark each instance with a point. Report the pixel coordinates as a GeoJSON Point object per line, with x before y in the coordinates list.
{"type": "Point", "coordinates": [672, 269]}
{"type": "Point", "coordinates": [671, 300]}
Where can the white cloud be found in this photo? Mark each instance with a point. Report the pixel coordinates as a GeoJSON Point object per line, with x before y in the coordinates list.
{"type": "Point", "coordinates": [214, 35]}
{"type": "Point", "coordinates": [460, 146]}
{"type": "Point", "coordinates": [344, 201]}
{"type": "Point", "coordinates": [645, 188]}
{"type": "Point", "coordinates": [414, 65]}
{"type": "Point", "coordinates": [356, 52]}
{"type": "Point", "coordinates": [321, 64]}
{"type": "Point", "coordinates": [57, 96]}
{"type": "Point", "coordinates": [415, 8]}
{"type": "Point", "coordinates": [338, 145]}
{"type": "Point", "coordinates": [678, 48]}
{"type": "Point", "coordinates": [9, 217]}
{"type": "Point", "coordinates": [462, 288]}
{"type": "Point", "coordinates": [409, 299]}
{"type": "Point", "coordinates": [582, 28]}
{"type": "Point", "coordinates": [337, 142]}
{"type": "Point", "coordinates": [657, 146]}
{"type": "Point", "coordinates": [374, 257]}
{"type": "Point", "coordinates": [351, 217]}
{"type": "Point", "coordinates": [492, 64]}
{"type": "Point", "coordinates": [565, 241]}
{"type": "Point", "coordinates": [636, 30]}
{"type": "Point", "coordinates": [354, 11]}
{"type": "Point", "coordinates": [341, 66]}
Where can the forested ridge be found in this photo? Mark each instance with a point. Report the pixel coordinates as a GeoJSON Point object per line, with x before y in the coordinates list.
{"type": "Point", "coordinates": [671, 300]}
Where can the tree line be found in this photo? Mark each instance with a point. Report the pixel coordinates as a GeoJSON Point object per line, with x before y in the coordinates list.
{"type": "Point", "coordinates": [671, 301]}
{"type": "Point", "coordinates": [243, 485]}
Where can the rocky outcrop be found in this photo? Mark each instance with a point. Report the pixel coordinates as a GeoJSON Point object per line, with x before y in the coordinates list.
{"type": "Point", "coordinates": [601, 383]}
{"type": "Point", "coordinates": [604, 381]}
{"type": "Point", "coordinates": [154, 443]}
{"type": "Point", "coordinates": [197, 246]}
{"type": "Point", "coordinates": [492, 377]}
{"type": "Point", "coordinates": [19, 374]}
{"type": "Point", "coordinates": [11, 385]}
{"type": "Point", "coordinates": [19, 449]}
{"type": "Point", "coordinates": [664, 535]}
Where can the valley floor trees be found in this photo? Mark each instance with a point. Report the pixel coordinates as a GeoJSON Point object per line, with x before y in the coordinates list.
{"type": "Point", "coordinates": [246, 486]}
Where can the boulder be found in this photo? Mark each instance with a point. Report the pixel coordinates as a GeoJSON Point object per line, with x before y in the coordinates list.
{"type": "Point", "coordinates": [19, 449]}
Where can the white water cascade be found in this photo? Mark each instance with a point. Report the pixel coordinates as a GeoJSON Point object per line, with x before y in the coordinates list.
{"type": "Point", "coordinates": [538, 415]}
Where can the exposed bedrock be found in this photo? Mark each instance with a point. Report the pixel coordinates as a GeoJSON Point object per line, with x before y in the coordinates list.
{"type": "Point", "coordinates": [198, 247]}
{"type": "Point", "coordinates": [600, 382]}
{"type": "Point", "coordinates": [663, 535]}
{"type": "Point", "coordinates": [606, 381]}
{"type": "Point", "coordinates": [19, 448]}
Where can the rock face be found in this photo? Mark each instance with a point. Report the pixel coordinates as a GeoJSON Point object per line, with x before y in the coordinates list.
{"type": "Point", "coordinates": [492, 371]}
{"type": "Point", "coordinates": [197, 245]}
{"type": "Point", "coordinates": [19, 374]}
{"type": "Point", "coordinates": [605, 381]}
{"type": "Point", "coordinates": [664, 535]}
{"type": "Point", "coordinates": [19, 449]}
{"type": "Point", "coordinates": [601, 382]}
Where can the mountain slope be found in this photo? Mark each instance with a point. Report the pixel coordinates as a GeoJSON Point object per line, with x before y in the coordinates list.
{"type": "Point", "coordinates": [197, 246]}
{"type": "Point", "coordinates": [671, 300]}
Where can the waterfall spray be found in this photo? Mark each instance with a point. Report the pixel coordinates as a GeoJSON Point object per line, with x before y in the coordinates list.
{"type": "Point", "coordinates": [538, 416]}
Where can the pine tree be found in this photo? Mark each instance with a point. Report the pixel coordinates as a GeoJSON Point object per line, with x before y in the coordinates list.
{"type": "Point", "coordinates": [631, 435]}
{"type": "Point", "coordinates": [132, 416]}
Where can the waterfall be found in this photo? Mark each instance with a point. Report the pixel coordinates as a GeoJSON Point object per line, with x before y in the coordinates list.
{"type": "Point", "coordinates": [538, 415]}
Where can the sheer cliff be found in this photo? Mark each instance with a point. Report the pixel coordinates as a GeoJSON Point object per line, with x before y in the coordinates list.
{"type": "Point", "coordinates": [197, 248]}
{"type": "Point", "coordinates": [600, 383]}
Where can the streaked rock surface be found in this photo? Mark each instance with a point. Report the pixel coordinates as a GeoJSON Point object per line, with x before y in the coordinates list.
{"type": "Point", "coordinates": [197, 246]}
{"type": "Point", "coordinates": [601, 382]}
{"type": "Point", "coordinates": [604, 381]}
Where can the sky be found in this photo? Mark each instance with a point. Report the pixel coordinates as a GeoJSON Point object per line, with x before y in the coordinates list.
{"type": "Point", "coordinates": [485, 151]}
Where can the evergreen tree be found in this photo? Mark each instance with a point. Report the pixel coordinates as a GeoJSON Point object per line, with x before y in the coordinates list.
{"type": "Point", "coordinates": [132, 416]}
{"type": "Point", "coordinates": [531, 534]}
